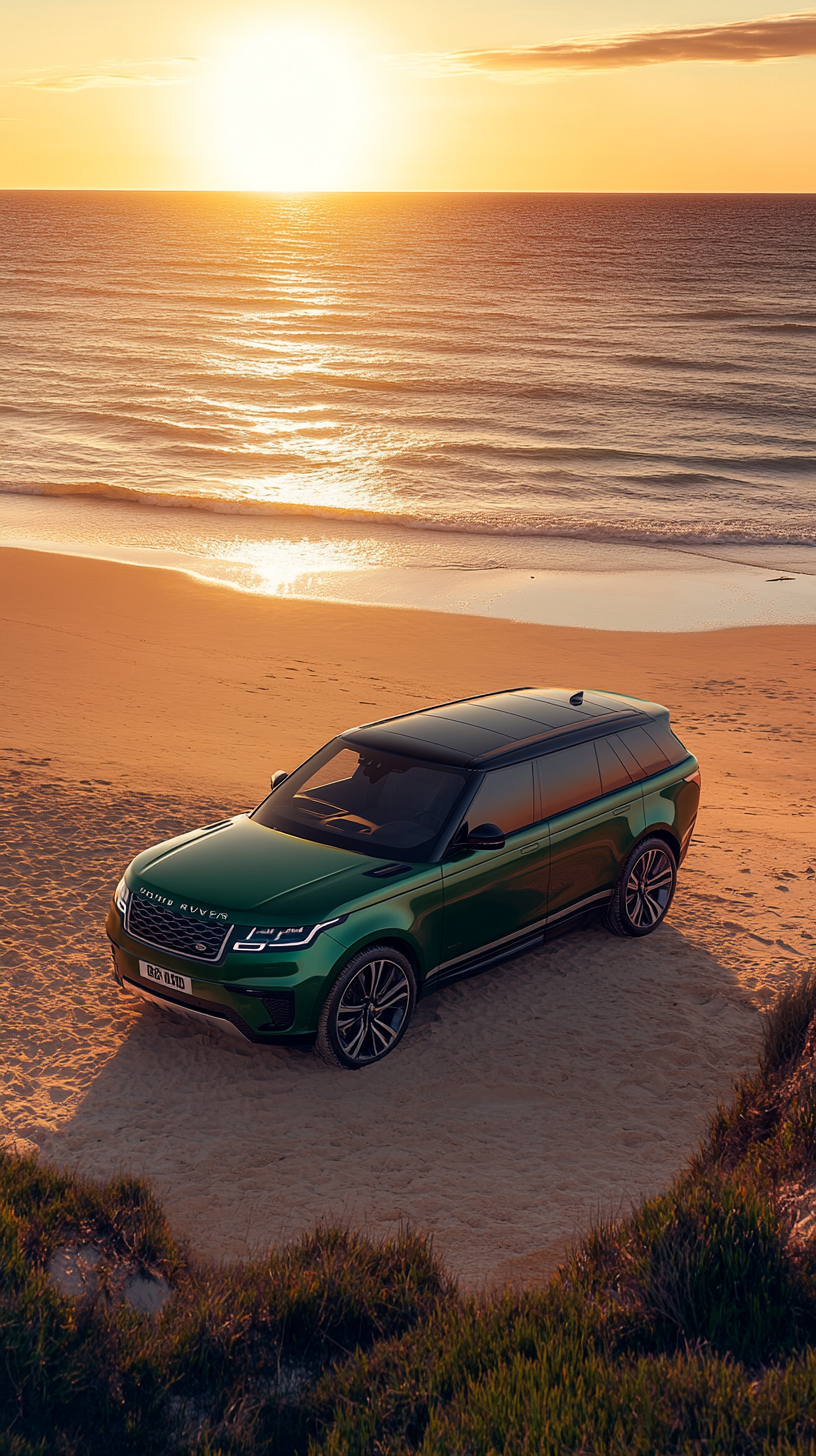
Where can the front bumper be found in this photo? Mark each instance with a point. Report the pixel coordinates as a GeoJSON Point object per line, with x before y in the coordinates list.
{"type": "Point", "coordinates": [278, 1001]}
{"type": "Point", "coordinates": [191, 1008]}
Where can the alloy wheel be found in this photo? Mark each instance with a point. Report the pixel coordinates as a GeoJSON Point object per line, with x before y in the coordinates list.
{"type": "Point", "coordinates": [372, 1009]}
{"type": "Point", "coordinates": [649, 888]}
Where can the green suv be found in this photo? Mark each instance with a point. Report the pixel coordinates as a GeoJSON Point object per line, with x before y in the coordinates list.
{"type": "Point", "coordinates": [404, 855]}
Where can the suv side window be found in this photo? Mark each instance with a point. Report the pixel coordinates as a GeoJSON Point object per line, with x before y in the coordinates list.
{"type": "Point", "coordinates": [643, 748]}
{"type": "Point", "coordinates": [505, 797]}
{"type": "Point", "coordinates": [614, 775]}
{"type": "Point", "coordinates": [568, 778]}
{"type": "Point", "coordinates": [665, 740]}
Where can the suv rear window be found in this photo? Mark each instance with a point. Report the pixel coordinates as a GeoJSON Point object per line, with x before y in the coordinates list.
{"type": "Point", "coordinates": [666, 741]}
{"type": "Point", "coordinates": [646, 751]}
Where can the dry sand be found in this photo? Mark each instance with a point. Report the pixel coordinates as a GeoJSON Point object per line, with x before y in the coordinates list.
{"type": "Point", "coordinates": [521, 1103]}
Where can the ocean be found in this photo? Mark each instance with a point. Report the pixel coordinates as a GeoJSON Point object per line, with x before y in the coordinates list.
{"type": "Point", "coordinates": [340, 395]}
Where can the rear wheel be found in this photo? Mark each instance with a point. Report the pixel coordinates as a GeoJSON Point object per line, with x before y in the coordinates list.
{"type": "Point", "coordinates": [644, 890]}
{"type": "Point", "coordinates": [368, 1009]}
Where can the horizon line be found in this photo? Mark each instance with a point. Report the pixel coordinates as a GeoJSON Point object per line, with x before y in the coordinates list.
{"type": "Point", "coordinates": [427, 191]}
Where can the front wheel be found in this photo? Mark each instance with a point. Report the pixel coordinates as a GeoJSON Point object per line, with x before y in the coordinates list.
{"type": "Point", "coordinates": [368, 1009]}
{"type": "Point", "coordinates": [644, 890]}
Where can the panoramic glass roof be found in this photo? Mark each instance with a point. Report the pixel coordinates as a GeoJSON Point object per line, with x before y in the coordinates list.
{"type": "Point", "coordinates": [478, 728]}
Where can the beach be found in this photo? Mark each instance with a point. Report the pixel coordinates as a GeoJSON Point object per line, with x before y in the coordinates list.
{"type": "Point", "coordinates": [440, 377]}
{"type": "Point", "coordinates": [522, 1104]}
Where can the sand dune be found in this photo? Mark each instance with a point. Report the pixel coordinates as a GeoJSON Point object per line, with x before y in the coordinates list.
{"type": "Point", "coordinates": [522, 1102]}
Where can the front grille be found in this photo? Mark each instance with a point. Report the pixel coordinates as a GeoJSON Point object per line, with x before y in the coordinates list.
{"type": "Point", "coordinates": [179, 934]}
{"type": "Point", "coordinates": [280, 1008]}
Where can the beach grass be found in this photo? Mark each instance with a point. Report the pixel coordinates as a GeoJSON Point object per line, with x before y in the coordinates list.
{"type": "Point", "coordinates": [688, 1327]}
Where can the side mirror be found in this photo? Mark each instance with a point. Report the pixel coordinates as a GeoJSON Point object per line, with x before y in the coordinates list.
{"type": "Point", "coordinates": [278, 777]}
{"type": "Point", "coordinates": [485, 836]}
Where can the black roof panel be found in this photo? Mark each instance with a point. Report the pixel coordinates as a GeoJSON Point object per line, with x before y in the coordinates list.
{"type": "Point", "coordinates": [514, 721]}
{"type": "Point", "coordinates": [535, 703]}
{"type": "Point", "coordinates": [468, 738]}
{"type": "Point", "coordinates": [493, 720]}
{"type": "Point", "coordinates": [477, 732]}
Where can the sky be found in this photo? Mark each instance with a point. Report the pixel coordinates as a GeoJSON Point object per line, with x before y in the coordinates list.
{"type": "Point", "coordinates": [415, 95]}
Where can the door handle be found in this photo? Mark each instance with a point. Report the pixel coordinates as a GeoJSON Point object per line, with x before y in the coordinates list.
{"type": "Point", "coordinates": [528, 848]}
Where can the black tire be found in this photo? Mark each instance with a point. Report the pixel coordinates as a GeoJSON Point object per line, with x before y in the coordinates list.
{"type": "Point", "coordinates": [368, 1009]}
{"type": "Point", "coordinates": [644, 889]}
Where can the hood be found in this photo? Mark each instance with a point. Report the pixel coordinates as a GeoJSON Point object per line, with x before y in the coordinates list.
{"type": "Point", "coordinates": [243, 866]}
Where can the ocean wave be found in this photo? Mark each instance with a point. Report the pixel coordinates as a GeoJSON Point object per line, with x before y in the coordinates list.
{"type": "Point", "coordinates": [614, 530]}
{"type": "Point", "coordinates": [780, 328]}
{"type": "Point", "coordinates": [665, 361]}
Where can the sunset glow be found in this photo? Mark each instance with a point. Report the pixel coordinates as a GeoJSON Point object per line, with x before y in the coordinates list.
{"type": "Point", "coordinates": [333, 95]}
{"type": "Point", "coordinates": [291, 111]}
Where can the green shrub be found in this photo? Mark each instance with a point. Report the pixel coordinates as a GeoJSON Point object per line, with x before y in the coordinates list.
{"type": "Point", "coordinates": [688, 1328]}
{"type": "Point", "coordinates": [786, 1025]}
{"type": "Point", "coordinates": [710, 1264]}
{"type": "Point", "coordinates": [690, 1404]}
{"type": "Point", "coordinates": [227, 1357]}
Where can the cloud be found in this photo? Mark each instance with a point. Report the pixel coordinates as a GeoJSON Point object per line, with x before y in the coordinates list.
{"type": "Point", "coordinates": [163, 71]}
{"type": "Point", "coordinates": [774, 37]}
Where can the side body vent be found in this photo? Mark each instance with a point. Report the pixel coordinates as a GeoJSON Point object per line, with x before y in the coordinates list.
{"type": "Point", "coordinates": [280, 1008]}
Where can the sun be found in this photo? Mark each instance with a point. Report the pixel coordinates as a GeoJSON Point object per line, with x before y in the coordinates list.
{"type": "Point", "coordinates": [292, 111]}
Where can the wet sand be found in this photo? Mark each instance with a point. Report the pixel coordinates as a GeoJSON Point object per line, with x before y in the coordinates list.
{"type": "Point", "coordinates": [522, 1102]}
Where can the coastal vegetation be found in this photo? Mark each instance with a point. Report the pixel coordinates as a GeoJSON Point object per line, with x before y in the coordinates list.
{"type": "Point", "coordinates": [687, 1327]}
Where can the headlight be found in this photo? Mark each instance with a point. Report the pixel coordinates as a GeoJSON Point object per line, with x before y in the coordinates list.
{"type": "Point", "coordinates": [274, 938]}
{"type": "Point", "coordinates": [121, 895]}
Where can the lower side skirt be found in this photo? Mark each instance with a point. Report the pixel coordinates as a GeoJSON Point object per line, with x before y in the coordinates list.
{"type": "Point", "coordinates": [519, 947]}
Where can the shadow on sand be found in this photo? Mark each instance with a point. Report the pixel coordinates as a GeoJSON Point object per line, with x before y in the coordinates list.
{"type": "Point", "coordinates": [520, 1105]}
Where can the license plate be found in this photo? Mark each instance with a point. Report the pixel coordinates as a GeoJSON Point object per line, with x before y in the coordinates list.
{"type": "Point", "coordinates": [160, 977]}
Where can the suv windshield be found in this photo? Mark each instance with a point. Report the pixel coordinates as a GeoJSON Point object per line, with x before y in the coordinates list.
{"type": "Point", "coordinates": [379, 803]}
